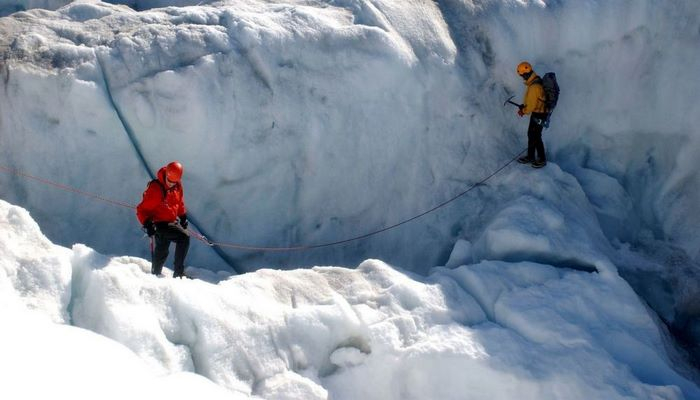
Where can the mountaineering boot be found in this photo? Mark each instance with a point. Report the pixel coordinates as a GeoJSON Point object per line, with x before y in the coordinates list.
{"type": "Point", "coordinates": [524, 160]}
{"type": "Point", "coordinates": [539, 163]}
{"type": "Point", "coordinates": [179, 275]}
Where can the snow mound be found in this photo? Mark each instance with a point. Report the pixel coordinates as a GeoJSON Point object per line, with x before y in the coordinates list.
{"type": "Point", "coordinates": [494, 329]}
{"type": "Point", "coordinates": [44, 356]}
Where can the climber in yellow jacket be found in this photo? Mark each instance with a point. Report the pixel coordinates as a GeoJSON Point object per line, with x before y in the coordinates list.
{"type": "Point", "coordinates": [533, 105]}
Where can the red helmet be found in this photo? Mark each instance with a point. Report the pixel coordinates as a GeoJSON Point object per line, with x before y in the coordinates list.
{"type": "Point", "coordinates": [173, 171]}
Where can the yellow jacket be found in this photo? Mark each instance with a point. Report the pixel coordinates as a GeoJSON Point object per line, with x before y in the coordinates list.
{"type": "Point", "coordinates": [534, 95]}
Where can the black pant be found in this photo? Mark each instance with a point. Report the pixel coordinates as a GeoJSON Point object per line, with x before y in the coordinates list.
{"type": "Point", "coordinates": [166, 233]}
{"type": "Point", "coordinates": [534, 137]}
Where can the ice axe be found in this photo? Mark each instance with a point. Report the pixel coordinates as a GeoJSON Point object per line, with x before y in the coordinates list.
{"type": "Point", "coordinates": [520, 106]}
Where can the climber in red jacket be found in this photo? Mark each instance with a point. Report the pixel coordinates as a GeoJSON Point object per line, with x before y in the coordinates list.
{"type": "Point", "coordinates": [163, 214]}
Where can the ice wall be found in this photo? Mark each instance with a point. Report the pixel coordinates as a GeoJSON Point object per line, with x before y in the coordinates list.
{"type": "Point", "coordinates": [8, 7]}
{"type": "Point", "coordinates": [305, 122]}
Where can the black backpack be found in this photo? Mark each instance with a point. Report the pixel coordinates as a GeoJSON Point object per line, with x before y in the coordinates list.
{"type": "Point", "coordinates": [160, 184]}
{"type": "Point", "coordinates": [551, 91]}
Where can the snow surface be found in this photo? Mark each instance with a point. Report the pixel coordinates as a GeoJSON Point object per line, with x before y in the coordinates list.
{"type": "Point", "coordinates": [96, 326]}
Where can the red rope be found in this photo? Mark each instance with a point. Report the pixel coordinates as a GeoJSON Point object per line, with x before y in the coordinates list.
{"type": "Point", "coordinates": [66, 188]}
{"type": "Point", "coordinates": [203, 239]}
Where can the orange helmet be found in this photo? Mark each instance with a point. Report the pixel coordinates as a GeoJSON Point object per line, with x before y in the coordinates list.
{"type": "Point", "coordinates": [524, 67]}
{"type": "Point", "coordinates": [173, 171]}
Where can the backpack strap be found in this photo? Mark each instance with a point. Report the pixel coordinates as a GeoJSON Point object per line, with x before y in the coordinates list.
{"type": "Point", "coordinates": [159, 183]}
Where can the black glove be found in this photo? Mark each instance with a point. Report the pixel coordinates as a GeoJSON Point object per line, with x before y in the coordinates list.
{"type": "Point", "coordinates": [149, 227]}
{"type": "Point", "coordinates": [183, 221]}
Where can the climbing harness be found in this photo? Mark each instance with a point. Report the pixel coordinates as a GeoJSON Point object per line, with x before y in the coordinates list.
{"type": "Point", "coordinates": [210, 243]}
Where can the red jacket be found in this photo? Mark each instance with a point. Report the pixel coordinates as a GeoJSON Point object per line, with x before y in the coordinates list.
{"type": "Point", "coordinates": [158, 207]}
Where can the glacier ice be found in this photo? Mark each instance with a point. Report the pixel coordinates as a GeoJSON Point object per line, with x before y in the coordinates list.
{"type": "Point", "coordinates": [305, 122]}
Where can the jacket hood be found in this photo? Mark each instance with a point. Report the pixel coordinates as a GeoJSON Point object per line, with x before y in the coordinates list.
{"type": "Point", "coordinates": [161, 176]}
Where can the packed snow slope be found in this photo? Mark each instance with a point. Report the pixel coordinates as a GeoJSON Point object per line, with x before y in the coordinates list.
{"type": "Point", "coordinates": [303, 122]}
{"type": "Point", "coordinates": [91, 326]}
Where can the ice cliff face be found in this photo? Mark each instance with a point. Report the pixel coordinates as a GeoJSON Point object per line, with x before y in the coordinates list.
{"type": "Point", "coordinates": [306, 122]}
